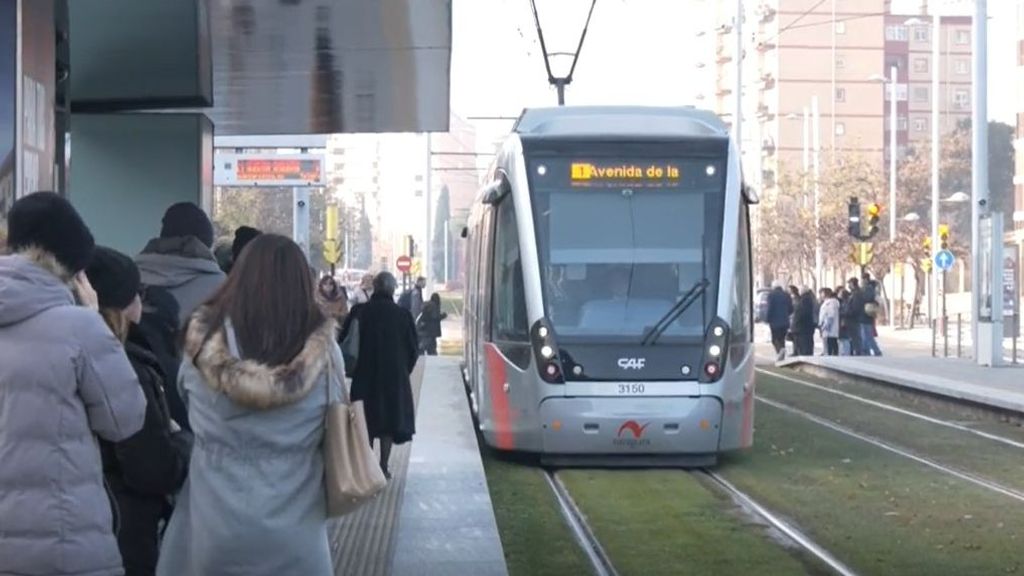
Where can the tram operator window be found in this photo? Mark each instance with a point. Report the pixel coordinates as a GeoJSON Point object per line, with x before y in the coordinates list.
{"type": "Point", "coordinates": [509, 302]}
{"type": "Point", "coordinates": [621, 258]}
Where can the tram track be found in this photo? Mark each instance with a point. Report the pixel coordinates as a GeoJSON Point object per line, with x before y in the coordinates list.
{"type": "Point", "coordinates": [895, 409]}
{"type": "Point", "coordinates": [895, 449]}
{"type": "Point", "coordinates": [581, 530]}
{"type": "Point", "coordinates": [794, 534]}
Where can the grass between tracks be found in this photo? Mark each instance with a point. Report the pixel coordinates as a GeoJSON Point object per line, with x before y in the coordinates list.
{"type": "Point", "coordinates": [534, 535]}
{"type": "Point", "coordinates": [946, 409]}
{"type": "Point", "coordinates": [878, 512]}
{"type": "Point", "coordinates": [954, 448]}
{"type": "Point", "coordinates": [667, 522]}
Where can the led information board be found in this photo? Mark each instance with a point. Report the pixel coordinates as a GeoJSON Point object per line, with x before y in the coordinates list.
{"type": "Point", "coordinates": [269, 170]}
{"type": "Point", "coordinates": [635, 174]}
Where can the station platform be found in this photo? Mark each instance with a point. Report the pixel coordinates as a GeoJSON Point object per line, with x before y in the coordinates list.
{"type": "Point", "coordinates": [436, 516]}
{"type": "Point", "coordinates": [959, 379]}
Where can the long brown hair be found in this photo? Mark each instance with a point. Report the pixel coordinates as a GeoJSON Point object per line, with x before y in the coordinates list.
{"type": "Point", "coordinates": [269, 298]}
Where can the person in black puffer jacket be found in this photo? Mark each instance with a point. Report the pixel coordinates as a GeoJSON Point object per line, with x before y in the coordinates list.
{"type": "Point", "coordinates": [145, 470]}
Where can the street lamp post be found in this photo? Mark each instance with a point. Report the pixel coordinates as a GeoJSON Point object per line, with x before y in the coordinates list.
{"type": "Point", "coordinates": [936, 145]}
{"type": "Point", "coordinates": [893, 125]}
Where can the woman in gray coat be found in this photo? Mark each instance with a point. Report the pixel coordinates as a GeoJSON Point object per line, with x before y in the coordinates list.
{"type": "Point", "coordinates": [64, 378]}
{"type": "Point", "coordinates": [255, 379]}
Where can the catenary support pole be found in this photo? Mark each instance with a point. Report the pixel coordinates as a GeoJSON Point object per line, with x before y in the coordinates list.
{"type": "Point", "coordinates": [979, 157]}
{"type": "Point", "coordinates": [936, 151]}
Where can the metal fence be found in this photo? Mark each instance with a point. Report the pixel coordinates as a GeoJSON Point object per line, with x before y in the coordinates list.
{"type": "Point", "coordinates": [951, 338]}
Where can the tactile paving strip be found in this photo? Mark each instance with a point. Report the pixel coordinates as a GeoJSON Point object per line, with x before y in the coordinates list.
{"type": "Point", "coordinates": [362, 542]}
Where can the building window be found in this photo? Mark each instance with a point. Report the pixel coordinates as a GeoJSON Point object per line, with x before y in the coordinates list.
{"type": "Point", "coordinates": [920, 65]}
{"type": "Point", "coordinates": [961, 99]}
{"type": "Point", "coordinates": [840, 94]}
{"type": "Point", "coordinates": [840, 27]}
{"type": "Point", "coordinates": [840, 62]}
{"type": "Point", "coordinates": [901, 124]}
{"type": "Point", "coordinates": [840, 128]}
{"type": "Point", "coordinates": [920, 125]}
{"type": "Point", "coordinates": [963, 37]}
{"type": "Point", "coordinates": [920, 93]}
{"type": "Point", "coordinates": [962, 66]}
{"type": "Point", "coordinates": [921, 34]}
{"type": "Point", "coordinates": [896, 33]}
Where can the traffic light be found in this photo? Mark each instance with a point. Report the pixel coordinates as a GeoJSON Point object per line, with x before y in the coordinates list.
{"type": "Point", "coordinates": [854, 225]}
{"type": "Point", "coordinates": [874, 210]}
{"type": "Point", "coordinates": [411, 245]}
{"type": "Point", "coordinates": [944, 236]}
{"type": "Point", "coordinates": [926, 256]}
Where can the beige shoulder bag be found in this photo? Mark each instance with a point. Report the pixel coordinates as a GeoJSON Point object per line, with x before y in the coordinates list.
{"type": "Point", "coordinates": [351, 473]}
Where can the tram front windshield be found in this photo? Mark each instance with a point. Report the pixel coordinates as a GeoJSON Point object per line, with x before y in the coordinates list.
{"type": "Point", "coordinates": [622, 239]}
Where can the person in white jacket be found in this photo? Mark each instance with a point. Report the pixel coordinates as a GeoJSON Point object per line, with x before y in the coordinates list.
{"type": "Point", "coordinates": [828, 321]}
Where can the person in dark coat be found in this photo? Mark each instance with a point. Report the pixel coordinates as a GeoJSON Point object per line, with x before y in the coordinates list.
{"type": "Point", "coordinates": [804, 324]}
{"type": "Point", "coordinates": [853, 314]}
{"type": "Point", "coordinates": [429, 324]}
{"type": "Point", "coordinates": [387, 355]}
{"type": "Point", "coordinates": [144, 470]}
{"type": "Point", "coordinates": [780, 307]}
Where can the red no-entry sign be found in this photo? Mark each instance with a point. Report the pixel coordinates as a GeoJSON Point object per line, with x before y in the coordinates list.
{"type": "Point", "coordinates": [404, 264]}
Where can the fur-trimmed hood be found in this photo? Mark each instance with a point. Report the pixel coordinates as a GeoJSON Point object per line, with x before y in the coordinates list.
{"type": "Point", "coordinates": [249, 383]}
{"type": "Point", "coordinates": [31, 282]}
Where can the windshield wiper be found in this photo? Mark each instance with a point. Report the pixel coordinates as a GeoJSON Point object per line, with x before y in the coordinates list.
{"type": "Point", "coordinates": [675, 312]}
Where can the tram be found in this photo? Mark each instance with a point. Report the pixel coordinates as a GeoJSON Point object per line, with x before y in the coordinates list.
{"type": "Point", "coordinates": [608, 302]}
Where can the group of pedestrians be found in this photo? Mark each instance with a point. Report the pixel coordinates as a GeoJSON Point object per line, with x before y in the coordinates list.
{"type": "Point", "coordinates": [165, 414]}
{"type": "Point", "coordinates": [845, 319]}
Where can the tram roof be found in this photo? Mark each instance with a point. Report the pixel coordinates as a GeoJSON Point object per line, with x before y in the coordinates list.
{"type": "Point", "coordinates": [620, 121]}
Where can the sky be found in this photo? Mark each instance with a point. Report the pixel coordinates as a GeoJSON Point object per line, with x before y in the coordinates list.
{"type": "Point", "coordinates": [636, 52]}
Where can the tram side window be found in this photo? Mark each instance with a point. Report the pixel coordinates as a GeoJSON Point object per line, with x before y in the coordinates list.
{"type": "Point", "coordinates": [743, 297]}
{"type": "Point", "coordinates": [509, 303]}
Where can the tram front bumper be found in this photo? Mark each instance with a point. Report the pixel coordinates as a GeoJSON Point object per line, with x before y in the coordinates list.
{"type": "Point", "coordinates": [631, 425]}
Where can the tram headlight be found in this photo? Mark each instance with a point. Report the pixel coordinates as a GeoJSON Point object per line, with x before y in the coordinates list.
{"type": "Point", "coordinates": [546, 356]}
{"type": "Point", "coordinates": [716, 340]}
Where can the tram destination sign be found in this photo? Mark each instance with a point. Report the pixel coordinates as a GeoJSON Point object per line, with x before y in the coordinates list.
{"type": "Point", "coordinates": [632, 173]}
{"type": "Point", "coordinates": [269, 170]}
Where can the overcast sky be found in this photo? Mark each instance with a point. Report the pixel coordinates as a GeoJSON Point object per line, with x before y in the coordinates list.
{"type": "Point", "coordinates": [636, 52]}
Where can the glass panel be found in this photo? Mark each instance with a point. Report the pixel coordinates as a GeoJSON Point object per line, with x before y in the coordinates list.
{"type": "Point", "coordinates": [620, 240]}
{"type": "Point", "coordinates": [8, 55]}
{"type": "Point", "coordinates": [509, 306]}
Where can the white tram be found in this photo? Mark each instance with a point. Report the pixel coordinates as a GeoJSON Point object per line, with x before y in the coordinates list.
{"type": "Point", "coordinates": [608, 298]}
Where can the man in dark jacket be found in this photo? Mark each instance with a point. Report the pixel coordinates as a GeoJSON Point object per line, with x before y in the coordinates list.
{"type": "Point", "coordinates": [181, 259]}
{"type": "Point", "coordinates": [853, 314]}
{"type": "Point", "coordinates": [388, 351]}
{"type": "Point", "coordinates": [869, 345]}
{"type": "Point", "coordinates": [780, 308]}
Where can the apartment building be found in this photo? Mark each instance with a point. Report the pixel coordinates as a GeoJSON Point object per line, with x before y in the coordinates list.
{"type": "Point", "coordinates": [909, 48]}
{"type": "Point", "coordinates": [816, 76]}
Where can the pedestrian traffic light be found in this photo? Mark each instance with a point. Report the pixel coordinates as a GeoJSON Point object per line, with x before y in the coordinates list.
{"type": "Point", "coordinates": [874, 210]}
{"type": "Point", "coordinates": [854, 224]}
{"type": "Point", "coordinates": [944, 236]}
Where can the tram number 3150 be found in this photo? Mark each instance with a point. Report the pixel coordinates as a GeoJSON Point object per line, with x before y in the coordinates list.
{"type": "Point", "coordinates": [631, 389]}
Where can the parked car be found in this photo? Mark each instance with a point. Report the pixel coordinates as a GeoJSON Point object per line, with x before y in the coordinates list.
{"type": "Point", "coordinates": [761, 306]}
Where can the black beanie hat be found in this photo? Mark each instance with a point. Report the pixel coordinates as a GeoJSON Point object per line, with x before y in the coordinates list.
{"type": "Point", "coordinates": [49, 222]}
{"type": "Point", "coordinates": [243, 235]}
{"type": "Point", "coordinates": [114, 277]}
{"type": "Point", "coordinates": [187, 219]}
